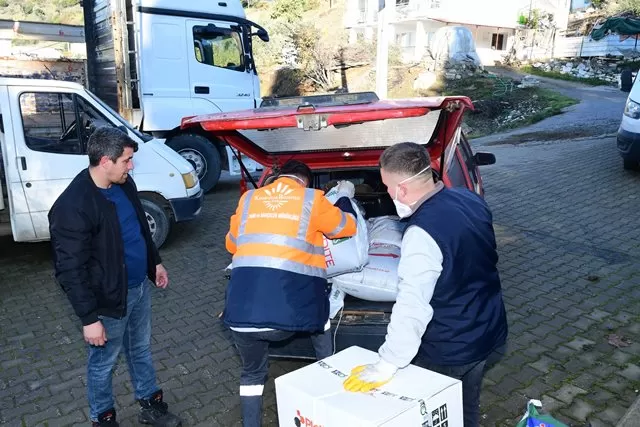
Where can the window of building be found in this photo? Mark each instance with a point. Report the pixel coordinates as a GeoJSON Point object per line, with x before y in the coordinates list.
{"type": "Point", "coordinates": [404, 39]}
{"type": "Point", "coordinates": [58, 122]}
{"type": "Point", "coordinates": [497, 41]}
{"type": "Point", "coordinates": [221, 49]}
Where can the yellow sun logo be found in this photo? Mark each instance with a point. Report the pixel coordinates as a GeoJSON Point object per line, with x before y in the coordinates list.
{"type": "Point", "coordinates": [277, 196]}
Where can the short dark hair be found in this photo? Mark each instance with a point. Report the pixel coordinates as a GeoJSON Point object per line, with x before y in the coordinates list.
{"type": "Point", "coordinates": [297, 168]}
{"type": "Point", "coordinates": [405, 158]}
{"type": "Point", "coordinates": [108, 141]}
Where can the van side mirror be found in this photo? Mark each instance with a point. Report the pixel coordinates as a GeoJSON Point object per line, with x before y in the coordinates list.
{"type": "Point", "coordinates": [484, 159]}
{"type": "Point", "coordinates": [262, 35]}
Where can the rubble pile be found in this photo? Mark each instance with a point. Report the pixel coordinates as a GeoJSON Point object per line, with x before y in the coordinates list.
{"type": "Point", "coordinates": [458, 69]}
{"type": "Point", "coordinates": [582, 68]}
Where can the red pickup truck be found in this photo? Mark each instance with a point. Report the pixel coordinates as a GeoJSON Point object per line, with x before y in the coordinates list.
{"type": "Point", "coordinates": [341, 136]}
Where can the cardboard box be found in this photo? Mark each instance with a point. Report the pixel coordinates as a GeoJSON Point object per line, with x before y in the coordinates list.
{"type": "Point", "coordinates": [314, 396]}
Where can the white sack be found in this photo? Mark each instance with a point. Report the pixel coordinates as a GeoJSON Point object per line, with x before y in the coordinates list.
{"type": "Point", "coordinates": [336, 301]}
{"type": "Point", "coordinates": [385, 230]}
{"type": "Point", "coordinates": [347, 254]}
{"type": "Point", "coordinates": [378, 280]}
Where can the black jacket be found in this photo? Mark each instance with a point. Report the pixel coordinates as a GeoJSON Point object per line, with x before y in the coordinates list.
{"type": "Point", "coordinates": [88, 252]}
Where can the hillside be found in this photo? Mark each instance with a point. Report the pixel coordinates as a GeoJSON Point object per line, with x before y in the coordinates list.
{"type": "Point", "coordinates": [56, 11]}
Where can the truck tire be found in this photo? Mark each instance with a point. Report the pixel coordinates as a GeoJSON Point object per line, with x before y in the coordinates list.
{"type": "Point", "coordinates": [626, 80]}
{"type": "Point", "coordinates": [158, 218]}
{"type": "Point", "coordinates": [202, 154]}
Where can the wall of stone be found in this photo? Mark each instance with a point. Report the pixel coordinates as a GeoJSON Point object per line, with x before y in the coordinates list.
{"type": "Point", "coordinates": [603, 69]}
{"type": "Point", "coordinates": [72, 70]}
{"type": "Point", "coordinates": [66, 70]}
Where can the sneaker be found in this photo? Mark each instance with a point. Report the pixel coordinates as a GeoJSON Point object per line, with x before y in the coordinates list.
{"type": "Point", "coordinates": [106, 419]}
{"type": "Point", "coordinates": [154, 411]}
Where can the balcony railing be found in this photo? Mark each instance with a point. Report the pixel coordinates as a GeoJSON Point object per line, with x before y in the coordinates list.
{"type": "Point", "coordinates": [415, 9]}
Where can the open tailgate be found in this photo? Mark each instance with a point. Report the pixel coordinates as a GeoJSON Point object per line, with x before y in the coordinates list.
{"type": "Point", "coordinates": [348, 130]}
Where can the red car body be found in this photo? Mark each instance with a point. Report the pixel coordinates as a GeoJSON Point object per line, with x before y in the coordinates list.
{"type": "Point", "coordinates": [342, 137]}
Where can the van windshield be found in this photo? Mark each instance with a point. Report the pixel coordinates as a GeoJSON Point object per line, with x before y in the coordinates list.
{"type": "Point", "coordinates": [124, 123]}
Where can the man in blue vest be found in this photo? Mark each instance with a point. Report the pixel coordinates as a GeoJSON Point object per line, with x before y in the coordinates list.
{"type": "Point", "coordinates": [449, 315]}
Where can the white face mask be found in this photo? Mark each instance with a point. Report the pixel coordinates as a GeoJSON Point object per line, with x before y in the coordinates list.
{"type": "Point", "coordinates": [402, 209]}
{"type": "Point", "coordinates": [296, 178]}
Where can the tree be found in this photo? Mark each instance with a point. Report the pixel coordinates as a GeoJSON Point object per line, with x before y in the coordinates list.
{"type": "Point", "coordinates": [615, 7]}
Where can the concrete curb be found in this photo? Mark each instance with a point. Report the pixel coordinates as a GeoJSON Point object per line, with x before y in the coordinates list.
{"type": "Point", "coordinates": [632, 417]}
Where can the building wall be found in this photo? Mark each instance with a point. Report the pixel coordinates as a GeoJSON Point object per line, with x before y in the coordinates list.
{"type": "Point", "coordinates": [415, 39]}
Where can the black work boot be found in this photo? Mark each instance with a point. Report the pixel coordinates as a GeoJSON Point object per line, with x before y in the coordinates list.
{"type": "Point", "coordinates": [106, 419]}
{"type": "Point", "coordinates": [154, 411]}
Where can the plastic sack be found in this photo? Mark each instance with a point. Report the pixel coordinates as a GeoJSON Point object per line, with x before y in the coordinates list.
{"type": "Point", "coordinates": [532, 418]}
{"type": "Point", "coordinates": [385, 230]}
{"type": "Point", "coordinates": [336, 301]}
{"type": "Point", "coordinates": [347, 254]}
{"type": "Point", "coordinates": [378, 280]}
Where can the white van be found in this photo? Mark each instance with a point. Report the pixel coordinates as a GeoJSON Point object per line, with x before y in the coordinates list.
{"type": "Point", "coordinates": [44, 129]}
{"type": "Point", "coordinates": [628, 140]}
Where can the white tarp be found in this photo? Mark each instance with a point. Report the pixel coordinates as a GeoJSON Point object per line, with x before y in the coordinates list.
{"type": "Point", "coordinates": [456, 45]}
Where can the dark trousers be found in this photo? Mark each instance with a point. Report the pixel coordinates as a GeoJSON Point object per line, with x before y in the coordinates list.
{"type": "Point", "coordinates": [254, 352]}
{"type": "Point", "coordinates": [471, 376]}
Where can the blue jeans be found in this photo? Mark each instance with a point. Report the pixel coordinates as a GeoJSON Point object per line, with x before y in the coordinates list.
{"type": "Point", "coordinates": [254, 352]}
{"type": "Point", "coordinates": [471, 376]}
{"type": "Point", "coordinates": [133, 335]}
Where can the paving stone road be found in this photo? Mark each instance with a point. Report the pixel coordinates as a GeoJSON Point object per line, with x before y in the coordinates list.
{"type": "Point", "coordinates": [566, 217]}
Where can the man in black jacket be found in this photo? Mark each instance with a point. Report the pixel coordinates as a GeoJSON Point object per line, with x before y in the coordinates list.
{"type": "Point", "coordinates": [105, 260]}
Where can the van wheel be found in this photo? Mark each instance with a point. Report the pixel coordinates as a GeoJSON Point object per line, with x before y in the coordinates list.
{"type": "Point", "coordinates": [631, 165]}
{"type": "Point", "coordinates": [203, 156]}
{"type": "Point", "coordinates": [158, 218]}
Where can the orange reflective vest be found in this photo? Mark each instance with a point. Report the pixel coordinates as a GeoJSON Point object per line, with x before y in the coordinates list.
{"type": "Point", "coordinates": [279, 270]}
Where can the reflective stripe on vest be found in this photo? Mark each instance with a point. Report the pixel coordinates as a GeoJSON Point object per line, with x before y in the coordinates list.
{"type": "Point", "coordinates": [338, 229]}
{"type": "Point", "coordinates": [232, 238]}
{"type": "Point", "coordinates": [277, 239]}
{"type": "Point", "coordinates": [245, 212]}
{"type": "Point", "coordinates": [280, 264]}
{"type": "Point", "coordinates": [305, 218]}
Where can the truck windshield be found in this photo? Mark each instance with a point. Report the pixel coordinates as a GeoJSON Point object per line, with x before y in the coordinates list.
{"type": "Point", "coordinates": [122, 121]}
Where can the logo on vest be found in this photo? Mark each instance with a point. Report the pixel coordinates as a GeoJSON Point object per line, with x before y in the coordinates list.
{"type": "Point", "coordinates": [277, 197]}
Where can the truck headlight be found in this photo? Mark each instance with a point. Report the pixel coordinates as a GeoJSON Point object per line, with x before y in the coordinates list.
{"type": "Point", "coordinates": [632, 109]}
{"type": "Point", "coordinates": [190, 179]}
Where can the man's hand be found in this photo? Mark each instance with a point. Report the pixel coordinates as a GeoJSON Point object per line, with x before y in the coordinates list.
{"type": "Point", "coordinates": [162, 278]}
{"type": "Point", "coordinates": [365, 378]}
{"type": "Point", "coordinates": [95, 334]}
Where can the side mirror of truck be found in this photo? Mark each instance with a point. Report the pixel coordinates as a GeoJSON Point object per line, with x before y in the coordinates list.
{"type": "Point", "coordinates": [262, 35]}
{"type": "Point", "coordinates": [484, 159]}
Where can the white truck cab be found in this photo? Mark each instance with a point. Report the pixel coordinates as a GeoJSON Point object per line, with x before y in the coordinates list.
{"type": "Point", "coordinates": [44, 129]}
{"type": "Point", "coordinates": [158, 61]}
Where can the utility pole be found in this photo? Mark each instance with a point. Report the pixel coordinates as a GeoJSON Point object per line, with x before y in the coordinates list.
{"type": "Point", "coordinates": [382, 57]}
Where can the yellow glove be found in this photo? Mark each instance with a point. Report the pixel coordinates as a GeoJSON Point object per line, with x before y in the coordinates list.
{"type": "Point", "coordinates": [365, 378]}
